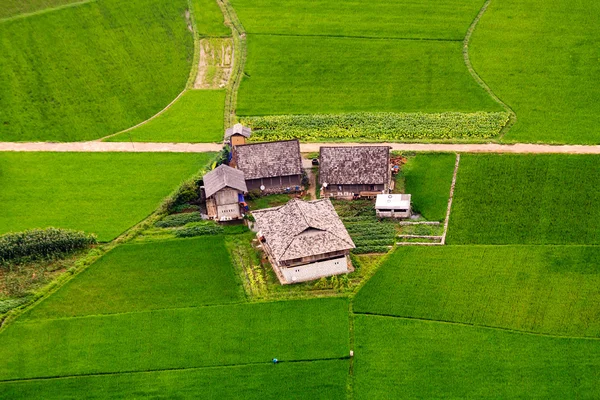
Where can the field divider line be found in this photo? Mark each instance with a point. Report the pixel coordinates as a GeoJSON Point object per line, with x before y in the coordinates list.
{"type": "Point", "coordinates": [465, 324]}
{"type": "Point", "coordinates": [174, 369]}
{"type": "Point", "coordinates": [357, 37]}
{"type": "Point", "coordinates": [512, 115]}
{"type": "Point", "coordinates": [452, 186]}
{"type": "Point", "coordinates": [46, 10]}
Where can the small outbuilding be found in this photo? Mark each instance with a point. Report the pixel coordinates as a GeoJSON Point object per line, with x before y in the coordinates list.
{"type": "Point", "coordinates": [354, 171]}
{"type": "Point", "coordinates": [304, 240]}
{"type": "Point", "coordinates": [271, 167]}
{"type": "Point", "coordinates": [393, 206]}
{"type": "Point", "coordinates": [224, 189]}
{"type": "Point", "coordinates": [237, 134]}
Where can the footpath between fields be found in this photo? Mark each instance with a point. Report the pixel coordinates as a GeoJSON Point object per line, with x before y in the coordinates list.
{"type": "Point", "coordinates": [520, 148]}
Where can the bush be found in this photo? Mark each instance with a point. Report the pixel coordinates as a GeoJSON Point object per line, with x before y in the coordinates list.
{"type": "Point", "coordinates": [378, 126]}
{"type": "Point", "coordinates": [171, 221]}
{"type": "Point", "coordinates": [370, 249]}
{"type": "Point", "coordinates": [39, 244]}
{"type": "Point", "coordinates": [9, 304]}
{"type": "Point", "coordinates": [199, 229]}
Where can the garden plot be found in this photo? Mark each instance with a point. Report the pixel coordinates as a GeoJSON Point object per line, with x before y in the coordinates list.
{"type": "Point", "coordinates": [314, 380]}
{"type": "Point", "coordinates": [542, 59]}
{"type": "Point", "coordinates": [399, 358]}
{"type": "Point", "coordinates": [99, 68]}
{"type": "Point", "coordinates": [544, 289]}
{"type": "Point", "coordinates": [102, 193]}
{"type": "Point", "coordinates": [215, 63]}
{"type": "Point", "coordinates": [526, 199]}
{"type": "Point", "coordinates": [175, 339]}
{"type": "Point", "coordinates": [149, 276]}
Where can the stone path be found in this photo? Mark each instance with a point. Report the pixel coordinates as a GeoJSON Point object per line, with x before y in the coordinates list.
{"type": "Point", "coordinates": [305, 147]}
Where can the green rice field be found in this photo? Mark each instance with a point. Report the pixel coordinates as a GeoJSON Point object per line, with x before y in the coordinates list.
{"type": "Point", "coordinates": [408, 359]}
{"type": "Point", "coordinates": [149, 276]}
{"type": "Point", "coordinates": [98, 68]}
{"type": "Point", "coordinates": [526, 199]}
{"type": "Point", "coordinates": [209, 19]}
{"type": "Point", "coordinates": [543, 289]}
{"type": "Point", "coordinates": [196, 117]}
{"type": "Point", "coordinates": [101, 193]}
{"type": "Point", "coordinates": [16, 8]}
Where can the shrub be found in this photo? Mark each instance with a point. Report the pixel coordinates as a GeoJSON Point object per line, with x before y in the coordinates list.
{"type": "Point", "coordinates": [9, 304]}
{"type": "Point", "coordinates": [199, 229]}
{"type": "Point", "coordinates": [41, 244]}
{"type": "Point", "coordinates": [379, 126]}
{"type": "Point", "coordinates": [171, 221]}
{"type": "Point", "coordinates": [370, 249]}
{"type": "Point", "coordinates": [235, 229]}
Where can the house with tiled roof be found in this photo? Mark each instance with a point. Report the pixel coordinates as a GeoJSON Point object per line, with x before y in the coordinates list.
{"type": "Point", "coordinates": [224, 189]}
{"type": "Point", "coordinates": [237, 134]}
{"type": "Point", "coordinates": [353, 171]}
{"type": "Point", "coordinates": [271, 167]}
{"type": "Point", "coordinates": [304, 240]}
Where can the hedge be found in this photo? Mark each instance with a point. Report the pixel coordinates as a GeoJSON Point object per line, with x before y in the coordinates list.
{"type": "Point", "coordinates": [38, 244]}
{"type": "Point", "coordinates": [377, 126]}
{"type": "Point", "coordinates": [199, 229]}
{"type": "Point", "coordinates": [171, 221]}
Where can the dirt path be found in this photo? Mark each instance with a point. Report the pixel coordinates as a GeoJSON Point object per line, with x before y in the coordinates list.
{"type": "Point", "coordinates": [304, 147]}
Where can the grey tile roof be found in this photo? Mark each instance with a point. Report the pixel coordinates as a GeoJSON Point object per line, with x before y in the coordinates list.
{"type": "Point", "coordinates": [358, 165]}
{"type": "Point", "coordinates": [238, 129]}
{"type": "Point", "coordinates": [302, 228]}
{"type": "Point", "coordinates": [270, 159]}
{"type": "Point", "coordinates": [224, 176]}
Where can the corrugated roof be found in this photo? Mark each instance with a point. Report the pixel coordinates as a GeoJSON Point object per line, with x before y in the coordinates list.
{"type": "Point", "coordinates": [238, 129]}
{"type": "Point", "coordinates": [270, 159]}
{"type": "Point", "coordinates": [224, 176]}
{"type": "Point", "coordinates": [393, 201]}
{"type": "Point", "coordinates": [354, 165]}
{"type": "Point", "coordinates": [302, 229]}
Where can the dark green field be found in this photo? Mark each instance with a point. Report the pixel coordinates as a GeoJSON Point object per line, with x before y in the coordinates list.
{"type": "Point", "coordinates": [149, 276]}
{"type": "Point", "coordinates": [102, 193]}
{"type": "Point", "coordinates": [399, 358]}
{"type": "Point", "coordinates": [526, 199]}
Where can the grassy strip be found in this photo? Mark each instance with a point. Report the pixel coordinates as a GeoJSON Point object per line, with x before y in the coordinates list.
{"type": "Point", "coordinates": [526, 199]}
{"type": "Point", "coordinates": [209, 19]}
{"type": "Point", "coordinates": [543, 289]}
{"type": "Point", "coordinates": [398, 358]}
{"type": "Point", "coordinates": [313, 380]}
{"type": "Point", "coordinates": [377, 126]}
{"type": "Point", "coordinates": [179, 338]}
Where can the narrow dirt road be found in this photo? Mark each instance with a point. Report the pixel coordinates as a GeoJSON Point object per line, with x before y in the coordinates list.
{"type": "Point", "coordinates": [304, 147]}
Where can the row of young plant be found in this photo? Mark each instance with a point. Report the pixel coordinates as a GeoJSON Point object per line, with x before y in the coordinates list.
{"type": "Point", "coordinates": [378, 126]}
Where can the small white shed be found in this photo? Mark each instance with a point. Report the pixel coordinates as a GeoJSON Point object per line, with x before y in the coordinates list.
{"type": "Point", "coordinates": [393, 205]}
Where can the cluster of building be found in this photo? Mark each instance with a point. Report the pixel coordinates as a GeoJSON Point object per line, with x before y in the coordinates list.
{"type": "Point", "coordinates": [304, 240]}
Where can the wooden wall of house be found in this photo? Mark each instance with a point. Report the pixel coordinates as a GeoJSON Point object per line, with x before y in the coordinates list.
{"type": "Point", "coordinates": [237, 140]}
{"type": "Point", "coordinates": [279, 183]}
{"type": "Point", "coordinates": [311, 259]}
{"type": "Point", "coordinates": [226, 196]}
{"type": "Point", "coordinates": [339, 190]}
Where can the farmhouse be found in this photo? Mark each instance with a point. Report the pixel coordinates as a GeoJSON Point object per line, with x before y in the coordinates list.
{"type": "Point", "coordinates": [237, 134]}
{"type": "Point", "coordinates": [393, 205]}
{"type": "Point", "coordinates": [271, 167]}
{"type": "Point", "coordinates": [348, 172]}
{"type": "Point", "coordinates": [304, 240]}
{"type": "Point", "coordinates": [224, 188]}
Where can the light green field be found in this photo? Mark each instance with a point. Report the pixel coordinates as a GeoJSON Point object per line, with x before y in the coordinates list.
{"type": "Point", "coordinates": [428, 178]}
{"type": "Point", "coordinates": [311, 380]}
{"type": "Point", "coordinates": [546, 289]}
{"type": "Point", "coordinates": [149, 276]}
{"type": "Point", "coordinates": [102, 193]}
{"type": "Point", "coordinates": [12, 8]}
{"type": "Point", "coordinates": [542, 59]}
{"type": "Point", "coordinates": [174, 339]}
{"type": "Point", "coordinates": [526, 199]}
{"type": "Point", "coordinates": [398, 358]}
{"type": "Point", "coordinates": [196, 117]}
{"type": "Point", "coordinates": [311, 75]}
{"type": "Point", "coordinates": [432, 19]}
{"type": "Point", "coordinates": [209, 19]}
{"type": "Point", "coordinates": [98, 68]}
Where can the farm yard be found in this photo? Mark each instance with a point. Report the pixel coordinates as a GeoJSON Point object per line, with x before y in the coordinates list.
{"type": "Point", "coordinates": [276, 270]}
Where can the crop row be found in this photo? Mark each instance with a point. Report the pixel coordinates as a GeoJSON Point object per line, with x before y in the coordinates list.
{"type": "Point", "coordinates": [381, 126]}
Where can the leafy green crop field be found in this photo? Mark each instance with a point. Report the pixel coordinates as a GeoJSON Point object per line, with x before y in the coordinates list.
{"type": "Point", "coordinates": [542, 59]}
{"type": "Point", "coordinates": [102, 193]}
{"type": "Point", "coordinates": [148, 276]}
{"type": "Point", "coordinates": [196, 117]}
{"type": "Point", "coordinates": [98, 68]}
{"type": "Point", "coordinates": [428, 178]}
{"type": "Point", "coordinates": [430, 19]}
{"type": "Point", "coordinates": [399, 358]}
{"type": "Point", "coordinates": [526, 199]}
{"type": "Point", "coordinates": [178, 338]}
{"type": "Point", "coordinates": [12, 8]}
{"type": "Point", "coordinates": [544, 289]}
{"type": "Point", "coordinates": [316, 75]}
{"type": "Point", "coordinates": [209, 19]}
{"type": "Point", "coordinates": [306, 380]}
